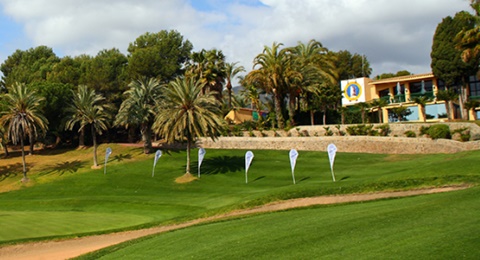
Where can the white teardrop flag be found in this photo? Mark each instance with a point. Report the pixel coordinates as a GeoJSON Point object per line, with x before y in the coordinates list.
{"type": "Point", "coordinates": [248, 161]}
{"type": "Point", "coordinates": [332, 151]}
{"type": "Point", "coordinates": [107, 154]}
{"type": "Point", "coordinates": [293, 160]}
{"type": "Point", "coordinates": [158, 154]}
{"type": "Point", "coordinates": [201, 155]}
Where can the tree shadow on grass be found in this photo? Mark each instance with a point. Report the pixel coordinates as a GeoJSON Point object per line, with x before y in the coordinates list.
{"type": "Point", "coordinates": [122, 157]}
{"type": "Point", "coordinates": [303, 179]}
{"type": "Point", "coordinates": [11, 170]}
{"type": "Point", "coordinates": [65, 167]}
{"type": "Point", "coordinates": [221, 165]}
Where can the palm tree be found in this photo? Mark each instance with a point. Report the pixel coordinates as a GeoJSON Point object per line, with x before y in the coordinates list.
{"type": "Point", "coordinates": [469, 40]}
{"type": "Point", "coordinates": [138, 109]}
{"type": "Point", "coordinates": [88, 108]}
{"type": "Point", "coordinates": [231, 70]}
{"type": "Point", "coordinates": [448, 96]}
{"type": "Point", "coordinates": [209, 68]}
{"type": "Point", "coordinates": [23, 117]}
{"type": "Point", "coordinates": [270, 74]}
{"type": "Point", "coordinates": [378, 104]}
{"type": "Point", "coordinates": [186, 113]}
{"type": "Point", "coordinates": [363, 106]}
{"type": "Point", "coordinates": [422, 102]}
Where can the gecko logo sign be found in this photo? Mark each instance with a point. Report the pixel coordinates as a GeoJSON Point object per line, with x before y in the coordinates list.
{"type": "Point", "coordinates": [353, 91]}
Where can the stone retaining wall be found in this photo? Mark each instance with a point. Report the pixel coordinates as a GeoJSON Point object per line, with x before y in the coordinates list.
{"type": "Point", "coordinates": [354, 144]}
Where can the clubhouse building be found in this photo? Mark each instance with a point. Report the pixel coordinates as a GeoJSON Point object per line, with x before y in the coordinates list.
{"type": "Point", "coordinates": [401, 91]}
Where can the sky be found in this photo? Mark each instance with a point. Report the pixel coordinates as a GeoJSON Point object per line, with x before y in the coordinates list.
{"type": "Point", "coordinates": [393, 34]}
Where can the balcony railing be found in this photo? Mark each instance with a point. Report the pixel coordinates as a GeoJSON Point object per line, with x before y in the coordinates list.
{"type": "Point", "coordinates": [399, 99]}
{"type": "Point", "coordinates": [418, 94]}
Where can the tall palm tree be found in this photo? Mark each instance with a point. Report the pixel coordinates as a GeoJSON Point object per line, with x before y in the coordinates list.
{"type": "Point", "coordinates": [89, 108]}
{"type": "Point", "coordinates": [269, 74]}
{"type": "Point", "coordinates": [209, 68]}
{"type": "Point", "coordinates": [422, 102]}
{"type": "Point", "coordinates": [378, 104]}
{"type": "Point", "coordinates": [363, 106]}
{"type": "Point", "coordinates": [138, 109]}
{"type": "Point", "coordinates": [23, 117]}
{"type": "Point", "coordinates": [448, 96]}
{"type": "Point", "coordinates": [231, 70]}
{"type": "Point", "coordinates": [186, 113]}
{"type": "Point", "coordinates": [469, 40]}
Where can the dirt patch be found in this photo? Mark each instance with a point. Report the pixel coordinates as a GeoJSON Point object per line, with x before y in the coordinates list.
{"type": "Point", "coordinates": [74, 247]}
{"type": "Point", "coordinates": [186, 178]}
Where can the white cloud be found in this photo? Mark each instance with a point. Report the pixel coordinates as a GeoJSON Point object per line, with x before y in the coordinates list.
{"type": "Point", "coordinates": [393, 34]}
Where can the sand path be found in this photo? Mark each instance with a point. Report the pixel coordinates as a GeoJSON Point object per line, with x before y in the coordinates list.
{"type": "Point", "coordinates": [64, 249]}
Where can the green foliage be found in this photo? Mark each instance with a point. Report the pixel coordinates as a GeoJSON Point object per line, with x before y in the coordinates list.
{"type": "Point", "coordinates": [447, 63]}
{"type": "Point", "coordinates": [328, 131]}
{"type": "Point", "coordinates": [362, 130]}
{"type": "Point", "coordinates": [464, 134]}
{"type": "Point", "coordinates": [438, 131]}
{"type": "Point", "coordinates": [351, 65]}
{"type": "Point", "coordinates": [339, 130]}
{"type": "Point", "coordinates": [159, 55]}
{"type": "Point", "coordinates": [384, 129]}
{"type": "Point", "coordinates": [392, 75]}
{"type": "Point", "coordinates": [410, 133]}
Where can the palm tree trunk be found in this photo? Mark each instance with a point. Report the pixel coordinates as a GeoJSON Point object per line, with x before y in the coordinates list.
{"type": "Point", "coordinates": [325, 117]}
{"type": "Point", "coordinates": [380, 115]}
{"type": "Point", "coordinates": [188, 155]}
{"type": "Point", "coordinates": [5, 150]}
{"type": "Point", "coordinates": [32, 142]}
{"type": "Point", "coordinates": [147, 138]}
{"type": "Point", "coordinates": [278, 110]}
{"type": "Point", "coordinates": [24, 179]}
{"type": "Point", "coordinates": [312, 117]}
{"type": "Point", "coordinates": [81, 138]}
{"type": "Point", "coordinates": [424, 113]}
{"type": "Point", "coordinates": [94, 138]}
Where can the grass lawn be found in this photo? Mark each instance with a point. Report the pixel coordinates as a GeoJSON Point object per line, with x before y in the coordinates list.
{"type": "Point", "coordinates": [439, 226]}
{"type": "Point", "coordinates": [66, 198]}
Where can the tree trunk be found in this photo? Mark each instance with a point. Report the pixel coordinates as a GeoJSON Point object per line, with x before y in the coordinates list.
{"type": "Point", "coordinates": [324, 117]}
{"type": "Point", "coordinates": [5, 150]}
{"type": "Point", "coordinates": [188, 155]}
{"type": "Point", "coordinates": [452, 111]}
{"type": "Point", "coordinates": [94, 138]}
{"type": "Point", "coordinates": [81, 138]}
{"type": "Point", "coordinates": [32, 142]}
{"type": "Point", "coordinates": [278, 110]}
{"type": "Point", "coordinates": [131, 134]}
{"type": "Point", "coordinates": [380, 116]}
{"type": "Point", "coordinates": [291, 110]}
{"type": "Point", "coordinates": [229, 88]}
{"type": "Point", "coordinates": [24, 179]}
{"type": "Point", "coordinates": [147, 138]}
{"type": "Point", "coordinates": [312, 117]}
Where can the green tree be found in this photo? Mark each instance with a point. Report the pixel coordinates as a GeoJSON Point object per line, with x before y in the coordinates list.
{"type": "Point", "coordinates": [363, 107]}
{"type": "Point", "coordinates": [139, 108]}
{"type": "Point", "coordinates": [89, 108]}
{"type": "Point", "coordinates": [208, 67]}
{"type": "Point", "coordinates": [186, 113]}
{"type": "Point", "coordinates": [106, 73]}
{"type": "Point", "coordinates": [448, 96]}
{"type": "Point", "coordinates": [270, 69]}
{"type": "Point", "coordinates": [468, 39]}
{"type": "Point", "coordinates": [32, 65]}
{"type": "Point", "coordinates": [401, 112]}
{"type": "Point", "coordinates": [422, 101]}
{"type": "Point", "coordinates": [447, 63]}
{"type": "Point", "coordinates": [231, 71]}
{"type": "Point", "coordinates": [351, 65]}
{"type": "Point", "coordinates": [159, 55]}
{"type": "Point", "coordinates": [23, 117]}
{"type": "Point", "coordinates": [379, 104]}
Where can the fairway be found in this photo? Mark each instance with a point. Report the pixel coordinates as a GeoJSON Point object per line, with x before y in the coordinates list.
{"type": "Point", "coordinates": [83, 202]}
{"type": "Point", "coordinates": [438, 226]}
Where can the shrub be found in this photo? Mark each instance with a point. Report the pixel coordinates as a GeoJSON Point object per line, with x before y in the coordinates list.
{"type": "Point", "coordinates": [462, 133]}
{"type": "Point", "coordinates": [424, 130]}
{"type": "Point", "coordinates": [340, 132]}
{"type": "Point", "coordinates": [410, 133]}
{"type": "Point", "coordinates": [384, 129]}
{"type": "Point", "coordinates": [361, 130]}
{"type": "Point", "coordinates": [328, 132]}
{"type": "Point", "coordinates": [439, 131]}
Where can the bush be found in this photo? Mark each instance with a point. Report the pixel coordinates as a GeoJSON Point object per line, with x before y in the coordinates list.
{"type": "Point", "coordinates": [410, 133]}
{"type": "Point", "coordinates": [384, 129]}
{"type": "Point", "coordinates": [424, 130]}
{"type": "Point", "coordinates": [328, 132]}
{"type": "Point", "coordinates": [439, 131]}
{"type": "Point", "coordinates": [362, 130]}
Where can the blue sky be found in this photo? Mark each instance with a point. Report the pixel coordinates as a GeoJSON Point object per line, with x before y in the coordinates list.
{"type": "Point", "coordinates": [393, 34]}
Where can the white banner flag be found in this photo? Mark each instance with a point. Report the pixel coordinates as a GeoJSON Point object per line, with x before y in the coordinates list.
{"type": "Point", "coordinates": [107, 154]}
{"type": "Point", "coordinates": [332, 151]}
{"type": "Point", "coordinates": [158, 154]}
{"type": "Point", "coordinates": [201, 155]}
{"type": "Point", "coordinates": [248, 161]}
{"type": "Point", "coordinates": [293, 160]}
